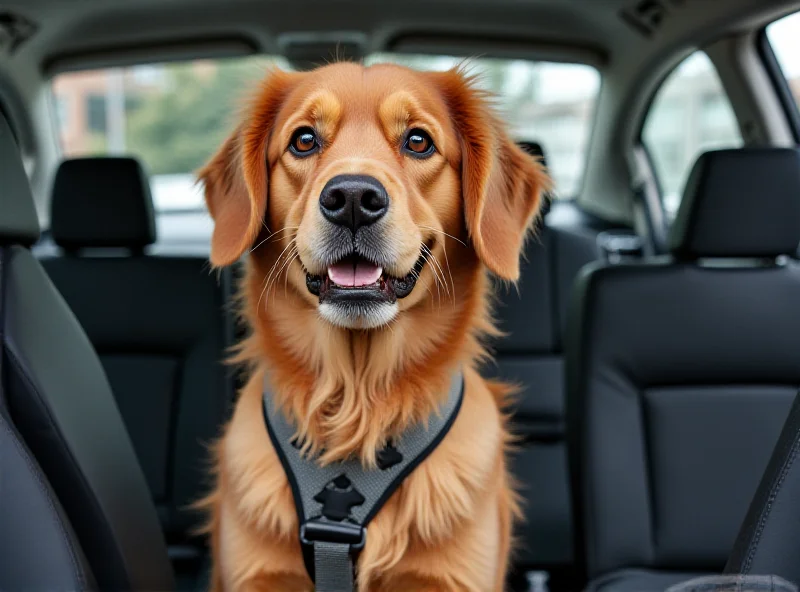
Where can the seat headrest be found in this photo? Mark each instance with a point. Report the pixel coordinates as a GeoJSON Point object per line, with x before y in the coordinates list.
{"type": "Point", "coordinates": [19, 223]}
{"type": "Point", "coordinates": [102, 202]}
{"type": "Point", "coordinates": [740, 203]}
{"type": "Point", "coordinates": [535, 149]}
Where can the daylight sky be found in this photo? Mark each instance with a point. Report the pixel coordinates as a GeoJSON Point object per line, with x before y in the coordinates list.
{"type": "Point", "coordinates": [562, 81]}
{"type": "Point", "coordinates": [784, 36]}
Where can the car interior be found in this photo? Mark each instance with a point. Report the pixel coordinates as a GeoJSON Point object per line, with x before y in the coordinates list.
{"type": "Point", "coordinates": [652, 333]}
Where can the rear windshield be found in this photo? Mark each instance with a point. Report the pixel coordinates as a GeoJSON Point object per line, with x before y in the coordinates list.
{"type": "Point", "coordinates": [172, 116]}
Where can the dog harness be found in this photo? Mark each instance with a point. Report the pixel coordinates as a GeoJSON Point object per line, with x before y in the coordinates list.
{"type": "Point", "coordinates": [336, 502]}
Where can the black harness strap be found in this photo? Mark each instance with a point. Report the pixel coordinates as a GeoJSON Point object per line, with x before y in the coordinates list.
{"type": "Point", "coordinates": [336, 502]}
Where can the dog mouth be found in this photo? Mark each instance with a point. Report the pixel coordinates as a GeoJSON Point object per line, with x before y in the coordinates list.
{"type": "Point", "coordinates": [356, 279]}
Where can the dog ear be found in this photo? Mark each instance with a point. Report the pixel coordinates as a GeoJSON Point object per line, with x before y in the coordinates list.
{"type": "Point", "coordinates": [502, 185]}
{"type": "Point", "coordinates": [235, 178]}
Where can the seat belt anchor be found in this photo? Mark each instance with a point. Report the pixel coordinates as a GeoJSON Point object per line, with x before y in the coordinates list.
{"type": "Point", "coordinates": [327, 531]}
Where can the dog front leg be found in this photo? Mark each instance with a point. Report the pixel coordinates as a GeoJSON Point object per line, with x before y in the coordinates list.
{"type": "Point", "coordinates": [272, 583]}
{"type": "Point", "coordinates": [405, 583]}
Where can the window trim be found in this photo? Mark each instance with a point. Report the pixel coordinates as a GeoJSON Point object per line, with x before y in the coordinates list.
{"type": "Point", "coordinates": [639, 138]}
{"type": "Point", "coordinates": [640, 141]}
{"type": "Point", "coordinates": [129, 55]}
{"type": "Point", "coordinates": [778, 78]}
{"type": "Point", "coordinates": [656, 216]}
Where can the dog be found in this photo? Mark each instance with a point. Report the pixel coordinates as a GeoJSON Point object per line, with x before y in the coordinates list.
{"type": "Point", "coordinates": [373, 205]}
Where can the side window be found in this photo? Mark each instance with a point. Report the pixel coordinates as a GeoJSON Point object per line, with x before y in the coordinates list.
{"type": "Point", "coordinates": [690, 114]}
{"type": "Point", "coordinates": [783, 37]}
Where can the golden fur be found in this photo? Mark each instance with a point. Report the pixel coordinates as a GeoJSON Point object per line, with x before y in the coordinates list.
{"type": "Point", "coordinates": [448, 527]}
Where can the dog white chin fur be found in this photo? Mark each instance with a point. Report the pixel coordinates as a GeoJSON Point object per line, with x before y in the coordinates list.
{"type": "Point", "coordinates": [350, 315]}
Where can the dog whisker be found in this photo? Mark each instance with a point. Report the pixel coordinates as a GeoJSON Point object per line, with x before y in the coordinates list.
{"type": "Point", "coordinates": [286, 275]}
{"type": "Point", "coordinates": [449, 273]}
{"type": "Point", "coordinates": [436, 266]}
{"type": "Point", "coordinates": [450, 292]}
{"type": "Point", "coordinates": [458, 240]}
{"type": "Point", "coordinates": [272, 270]}
{"type": "Point", "coordinates": [289, 257]}
{"type": "Point", "coordinates": [277, 238]}
{"type": "Point", "coordinates": [271, 234]}
{"type": "Point", "coordinates": [284, 229]}
{"type": "Point", "coordinates": [439, 280]}
{"type": "Point", "coordinates": [436, 281]}
{"type": "Point", "coordinates": [258, 305]}
{"type": "Point", "coordinates": [278, 259]}
{"type": "Point", "coordinates": [426, 255]}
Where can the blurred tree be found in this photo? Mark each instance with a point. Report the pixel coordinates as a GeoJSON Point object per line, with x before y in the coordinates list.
{"type": "Point", "coordinates": [176, 125]}
{"type": "Point", "coordinates": [174, 128]}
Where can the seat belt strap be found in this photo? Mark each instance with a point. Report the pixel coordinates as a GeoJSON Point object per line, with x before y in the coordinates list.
{"type": "Point", "coordinates": [336, 502]}
{"type": "Point", "coordinates": [3, 266]}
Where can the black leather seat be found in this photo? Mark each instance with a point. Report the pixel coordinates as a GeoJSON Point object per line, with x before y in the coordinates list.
{"type": "Point", "coordinates": [531, 356]}
{"type": "Point", "coordinates": [681, 373]}
{"type": "Point", "coordinates": [76, 512]}
{"type": "Point", "coordinates": [158, 326]}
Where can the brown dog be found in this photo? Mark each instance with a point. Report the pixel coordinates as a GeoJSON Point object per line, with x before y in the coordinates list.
{"type": "Point", "coordinates": [371, 202]}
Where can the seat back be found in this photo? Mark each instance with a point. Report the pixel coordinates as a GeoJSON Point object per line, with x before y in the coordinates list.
{"type": "Point", "coordinates": [35, 528]}
{"type": "Point", "coordinates": [157, 325]}
{"type": "Point", "coordinates": [530, 356]}
{"type": "Point", "coordinates": [59, 410]}
{"type": "Point", "coordinates": [34, 525]}
{"type": "Point", "coordinates": [681, 372]}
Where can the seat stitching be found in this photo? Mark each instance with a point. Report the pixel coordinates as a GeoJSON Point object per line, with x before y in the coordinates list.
{"type": "Point", "coordinates": [17, 442]}
{"type": "Point", "coordinates": [81, 477]}
{"type": "Point", "coordinates": [774, 491]}
{"type": "Point", "coordinates": [35, 471]}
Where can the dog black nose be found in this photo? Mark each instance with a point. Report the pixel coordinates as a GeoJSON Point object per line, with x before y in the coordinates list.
{"type": "Point", "coordinates": [353, 201]}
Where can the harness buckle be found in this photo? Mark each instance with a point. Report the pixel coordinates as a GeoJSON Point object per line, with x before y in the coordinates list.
{"type": "Point", "coordinates": [326, 531]}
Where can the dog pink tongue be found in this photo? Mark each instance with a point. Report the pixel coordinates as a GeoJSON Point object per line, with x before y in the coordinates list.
{"type": "Point", "coordinates": [349, 275]}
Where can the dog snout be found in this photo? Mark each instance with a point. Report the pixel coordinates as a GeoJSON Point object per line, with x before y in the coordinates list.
{"type": "Point", "coordinates": [353, 201]}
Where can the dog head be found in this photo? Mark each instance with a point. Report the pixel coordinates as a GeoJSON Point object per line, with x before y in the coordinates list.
{"type": "Point", "coordinates": [351, 179]}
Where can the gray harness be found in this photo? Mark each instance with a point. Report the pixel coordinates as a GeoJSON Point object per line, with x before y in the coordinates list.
{"type": "Point", "coordinates": [335, 503]}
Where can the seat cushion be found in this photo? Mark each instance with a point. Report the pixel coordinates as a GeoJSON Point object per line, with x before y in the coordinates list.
{"type": "Point", "coordinates": [62, 405]}
{"type": "Point", "coordinates": [735, 583]}
{"type": "Point", "coordinates": [638, 580]}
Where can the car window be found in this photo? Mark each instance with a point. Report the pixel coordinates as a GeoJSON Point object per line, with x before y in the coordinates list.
{"type": "Point", "coordinates": [545, 102]}
{"type": "Point", "coordinates": [690, 114]}
{"type": "Point", "coordinates": [784, 37]}
{"type": "Point", "coordinates": [171, 116]}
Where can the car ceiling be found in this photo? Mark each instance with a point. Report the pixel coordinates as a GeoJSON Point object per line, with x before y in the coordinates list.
{"type": "Point", "coordinates": [605, 29]}
{"type": "Point", "coordinates": [633, 42]}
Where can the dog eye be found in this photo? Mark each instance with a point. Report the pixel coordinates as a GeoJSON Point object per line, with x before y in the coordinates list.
{"type": "Point", "coordinates": [304, 142]}
{"type": "Point", "coordinates": [419, 143]}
